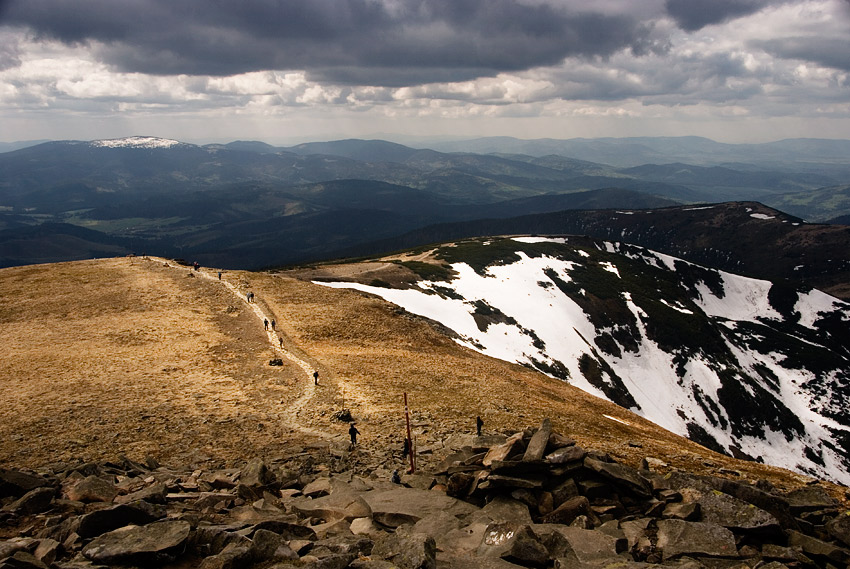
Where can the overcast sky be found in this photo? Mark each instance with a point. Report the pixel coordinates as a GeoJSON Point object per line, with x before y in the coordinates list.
{"type": "Point", "coordinates": [290, 70]}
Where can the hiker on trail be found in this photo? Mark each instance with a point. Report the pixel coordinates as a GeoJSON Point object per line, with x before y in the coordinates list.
{"type": "Point", "coordinates": [395, 479]}
{"type": "Point", "coordinates": [196, 265]}
{"type": "Point", "coordinates": [266, 323]}
{"type": "Point", "coordinates": [316, 378]}
{"type": "Point", "coordinates": [219, 275]}
{"type": "Point", "coordinates": [281, 342]}
{"type": "Point", "coordinates": [272, 324]}
{"type": "Point", "coordinates": [405, 449]}
{"type": "Point", "coordinates": [478, 424]}
{"type": "Point", "coordinates": [353, 432]}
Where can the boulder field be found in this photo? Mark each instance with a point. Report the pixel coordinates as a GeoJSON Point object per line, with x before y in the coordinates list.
{"type": "Point", "coordinates": [530, 499]}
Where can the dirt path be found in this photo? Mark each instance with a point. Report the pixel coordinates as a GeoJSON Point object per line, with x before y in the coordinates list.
{"type": "Point", "coordinates": [277, 340]}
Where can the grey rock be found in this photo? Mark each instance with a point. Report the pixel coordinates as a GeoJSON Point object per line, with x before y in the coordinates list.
{"type": "Point", "coordinates": [256, 474]}
{"type": "Point", "coordinates": [17, 482]}
{"type": "Point", "coordinates": [24, 560]}
{"type": "Point", "coordinates": [586, 546]}
{"type": "Point", "coordinates": [336, 561]}
{"type": "Point", "coordinates": [839, 527]}
{"type": "Point", "coordinates": [349, 543]}
{"type": "Point", "coordinates": [286, 530]}
{"type": "Point", "coordinates": [730, 512]}
{"type": "Point", "coordinates": [398, 506]}
{"type": "Point", "coordinates": [33, 502]}
{"type": "Point", "coordinates": [689, 511]}
{"type": "Point", "coordinates": [494, 481]}
{"type": "Point", "coordinates": [622, 475]}
{"type": "Point", "coordinates": [10, 546]}
{"type": "Point", "coordinates": [102, 521]}
{"type": "Point", "coordinates": [564, 491]}
{"type": "Point", "coordinates": [212, 540]}
{"type": "Point", "coordinates": [408, 550]}
{"type": "Point", "coordinates": [153, 494]}
{"type": "Point", "coordinates": [503, 451]}
{"type": "Point", "coordinates": [772, 552]}
{"type": "Point", "coordinates": [92, 489]}
{"type": "Point", "coordinates": [817, 548]}
{"type": "Point", "coordinates": [808, 499]}
{"type": "Point", "coordinates": [568, 511]}
{"type": "Point", "coordinates": [526, 549]}
{"type": "Point", "coordinates": [436, 525]}
{"type": "Point", "coordinates": [636, 534]}
{"type": "Point", "coordinates": [776, 506]}
{"type": "Point", "coordinates": [539, 440]}
{"type": "Point", "coordinates": [319, 487]}
{"type": "Point", "coordinates": [566, 454]}
{"type": "Point", "coordinates": [232, 557]}
{"type": "Point", "coordinates": [464, 541]}
{"type": "Point", "coordinates": [333, 507]}
{"type": "Point", "coordinates": [677, 538]}
{"type": "Point", "coordinates": [47, 551]}
{"type": "Point", "coordinates": [139, 544]}
{"type": "Point", "coordinates": [505, 509]}
{"type": "Point", "coordinates": [264, 544]}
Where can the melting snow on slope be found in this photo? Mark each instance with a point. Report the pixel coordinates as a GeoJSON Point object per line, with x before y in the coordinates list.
{"type": "Point", "coordinates": [529, 299]}
{"type": "Point", "coordinates": [744, 299]}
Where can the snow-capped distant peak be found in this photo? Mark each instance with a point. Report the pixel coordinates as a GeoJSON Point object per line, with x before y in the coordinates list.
{"type": "Point", "coordinates": [136, 142]}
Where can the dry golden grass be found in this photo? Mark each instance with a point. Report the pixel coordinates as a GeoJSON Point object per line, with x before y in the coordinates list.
{"type": "Point", "coordinates": [129, 356]}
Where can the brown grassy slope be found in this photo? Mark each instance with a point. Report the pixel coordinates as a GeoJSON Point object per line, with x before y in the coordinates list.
{"type": "Point", "coordinates": [127, 356]}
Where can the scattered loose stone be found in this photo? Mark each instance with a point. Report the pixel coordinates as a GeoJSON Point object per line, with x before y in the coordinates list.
{"type": "Point", "coordinates": [530, 499]}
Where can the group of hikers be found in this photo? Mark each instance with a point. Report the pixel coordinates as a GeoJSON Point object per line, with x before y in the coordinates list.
{"type": "Point", "coordinates": [353, 432]}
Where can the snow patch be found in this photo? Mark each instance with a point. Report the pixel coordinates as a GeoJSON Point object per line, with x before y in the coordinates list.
{"type": "Point", "coordinates": [608, 266]}
{"type": "Point", "coordinates": [530, 239]}
{"type": "Point", "coordinates": [762, 216]}
{"type": "Point", "coordinates": [135, 142]}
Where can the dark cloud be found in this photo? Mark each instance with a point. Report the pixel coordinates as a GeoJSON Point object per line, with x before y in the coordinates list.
{"type": "Point", "coordinates": [365, 42]}
{"type": "Point", "coordinates": [825, 51]}
{"type": "Point", "coordinates": [692, 15]}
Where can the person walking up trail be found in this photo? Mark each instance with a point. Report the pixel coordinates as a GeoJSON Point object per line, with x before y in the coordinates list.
{"type": "Point", "coordinates": [266, 323]}
{"type": "Point", "coordinates": [273, 324]}
{"type": "Point", "coordinates": [353, 432]}
{"type": "Point", "coordinates": [316, 377]}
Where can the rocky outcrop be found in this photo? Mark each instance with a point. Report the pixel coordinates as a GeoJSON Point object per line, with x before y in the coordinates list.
{"type": "Point", "coordinates": [532, 499]}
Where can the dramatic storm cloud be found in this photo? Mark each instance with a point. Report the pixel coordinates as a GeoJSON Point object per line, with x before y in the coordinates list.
{"type": "Point", "coordinates": [199, 68]}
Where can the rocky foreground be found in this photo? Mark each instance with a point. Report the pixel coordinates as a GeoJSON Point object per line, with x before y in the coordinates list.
{"type": "Point", "coordinates": [534, 499]}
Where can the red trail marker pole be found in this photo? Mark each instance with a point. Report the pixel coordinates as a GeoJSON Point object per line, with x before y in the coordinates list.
{"type": "Point", "coordinates": [409, 440]}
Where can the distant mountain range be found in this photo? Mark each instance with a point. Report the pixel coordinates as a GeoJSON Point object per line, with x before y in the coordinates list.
{"type": "Point", "coordinates": [248, 204]}
{"type": "Point", "coordinates": [750, 368]}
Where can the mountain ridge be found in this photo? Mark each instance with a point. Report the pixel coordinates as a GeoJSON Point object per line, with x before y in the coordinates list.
{"type": "Point", "coordinates": [746, 367]}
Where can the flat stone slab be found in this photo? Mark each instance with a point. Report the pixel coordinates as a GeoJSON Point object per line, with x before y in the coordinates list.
{"type": "Point", "coordinates": [409, 505]}
{"type": "Point", "coordinates": [138, 544]}
{"type": "Point", "coordinates": [678, 537]}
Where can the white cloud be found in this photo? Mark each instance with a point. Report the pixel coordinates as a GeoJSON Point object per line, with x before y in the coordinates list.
{"type": "Point", "coordinates": [748, 75]}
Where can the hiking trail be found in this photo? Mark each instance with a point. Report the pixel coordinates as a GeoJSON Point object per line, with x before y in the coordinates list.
{"type": "Point", "coordinates": [290, 414]}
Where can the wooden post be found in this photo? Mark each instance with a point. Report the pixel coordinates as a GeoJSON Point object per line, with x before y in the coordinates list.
{"type": "Point", "coordinates": [409, 439]}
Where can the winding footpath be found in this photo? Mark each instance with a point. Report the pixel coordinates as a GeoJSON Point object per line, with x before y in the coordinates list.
{"type": "Point", "coordinates": [290, 415]}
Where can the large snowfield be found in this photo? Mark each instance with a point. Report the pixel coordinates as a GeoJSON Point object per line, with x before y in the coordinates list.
{"type": "Point", "coordinates": [537, 310]}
